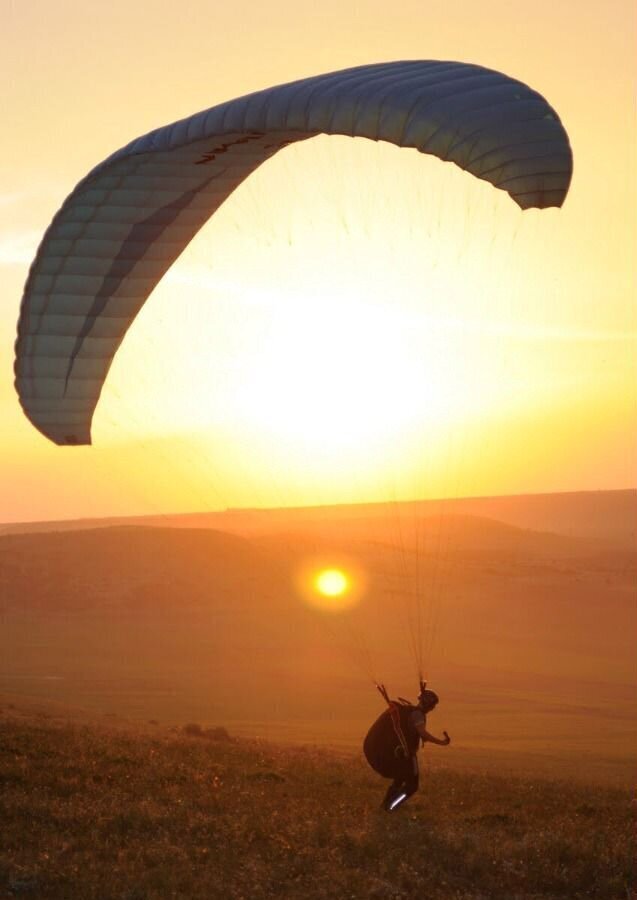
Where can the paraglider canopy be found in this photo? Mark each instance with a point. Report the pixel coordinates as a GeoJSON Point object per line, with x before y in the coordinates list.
{"type": "Point", "coordinates": [127, 221]}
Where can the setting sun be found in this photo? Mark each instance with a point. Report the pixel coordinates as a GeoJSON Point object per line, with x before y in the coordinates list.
{"type": "Point", "coordinates": [331, 583]}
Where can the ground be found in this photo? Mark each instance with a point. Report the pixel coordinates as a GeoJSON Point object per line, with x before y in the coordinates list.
{"type": "Point", "coordinates": [132, 812]}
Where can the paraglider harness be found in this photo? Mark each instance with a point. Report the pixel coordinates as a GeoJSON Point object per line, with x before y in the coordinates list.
{"type": "Point", "coordinates": [390, 742]}
{"type": "Point", "coordinates": [394, 714]}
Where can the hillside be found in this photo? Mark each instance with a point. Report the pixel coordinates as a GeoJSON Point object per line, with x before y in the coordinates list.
{"type": "Point", "coordinates": [610, 516]}
{"type": "Point", "coordinates": [146, 813]}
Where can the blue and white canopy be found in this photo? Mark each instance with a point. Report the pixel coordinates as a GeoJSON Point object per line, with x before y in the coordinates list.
{"type": "Point", "coordinates": [128, 220]}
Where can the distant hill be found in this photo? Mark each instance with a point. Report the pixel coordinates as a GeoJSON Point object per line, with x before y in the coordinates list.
{"type": "Point", "coordinates": [131, 565]}
{"type": "Point", "coordinates": [125, 567]}
{"type": "Point", "coordinates": [602, 515]}
{"type": "Point", "coordinates": [529, 634]}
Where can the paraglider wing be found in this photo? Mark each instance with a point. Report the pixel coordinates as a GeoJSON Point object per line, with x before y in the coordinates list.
{"type": "Point", "coordinates": [124, 224]}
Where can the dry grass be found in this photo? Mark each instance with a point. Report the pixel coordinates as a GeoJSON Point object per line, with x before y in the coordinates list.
{"type": "Point", "coordinates": [89, 812]}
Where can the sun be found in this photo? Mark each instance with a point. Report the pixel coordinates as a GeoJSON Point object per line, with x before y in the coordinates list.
{"type": "Point", "coordinates": [330, 586]}
{"type": "Point", "coordinates": [332, 583]}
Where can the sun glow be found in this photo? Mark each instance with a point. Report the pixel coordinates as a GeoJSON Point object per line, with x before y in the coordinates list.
{"type": "Point", "coordinates": [330, 376]}
{"type": "Point", "coordinates": [331, 583]}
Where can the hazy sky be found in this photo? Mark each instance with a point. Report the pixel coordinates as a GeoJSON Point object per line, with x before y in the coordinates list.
{"type": "Point", "coordinates": [357, 322]}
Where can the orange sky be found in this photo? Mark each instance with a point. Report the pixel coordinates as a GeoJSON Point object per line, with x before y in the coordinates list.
{"type": "Point", "coordinates": [357, 322]}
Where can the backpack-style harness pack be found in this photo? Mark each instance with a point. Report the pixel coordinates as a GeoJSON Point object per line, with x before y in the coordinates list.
{"type": "Point", "coordinates": [392, 738]}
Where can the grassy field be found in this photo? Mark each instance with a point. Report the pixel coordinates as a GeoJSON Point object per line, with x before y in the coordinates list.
{"type": "Point", "coordinates": [141, 812]}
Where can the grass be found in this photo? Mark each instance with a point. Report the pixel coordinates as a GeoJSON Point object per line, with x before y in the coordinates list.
{"type": "Point", "coordinates": [149, 814]}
